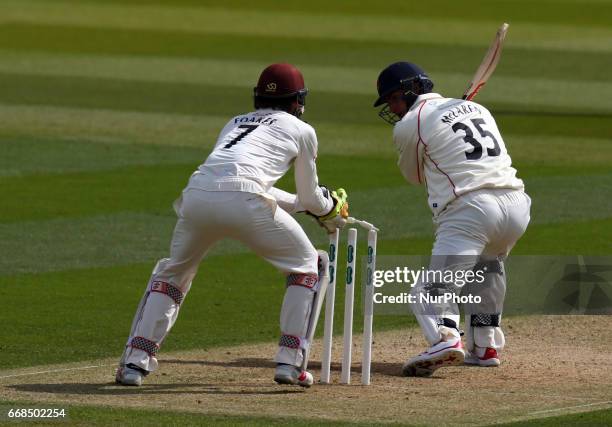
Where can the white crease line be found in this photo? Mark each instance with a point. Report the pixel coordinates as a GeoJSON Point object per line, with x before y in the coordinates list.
{"type": "Point", "coordinates": [550, 396]}
{"type": "Point", "coordinates": [570, 407]}
{"type": "Point", "coordinates": [52, 371]}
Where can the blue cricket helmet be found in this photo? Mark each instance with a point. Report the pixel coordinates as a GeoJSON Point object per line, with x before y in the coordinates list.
{"type": "Point", "coordinates": [402, 75]}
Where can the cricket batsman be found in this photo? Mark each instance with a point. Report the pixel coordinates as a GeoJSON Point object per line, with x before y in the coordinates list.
{"type": "Point", "coordinates": [480, 210]}
{"type": "Point", "coordinates": [232, 195]}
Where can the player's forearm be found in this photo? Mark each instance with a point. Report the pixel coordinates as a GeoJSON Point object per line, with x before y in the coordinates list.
{"type": "Point", "coordinates": [288, 202]}
{"type": "Point", "coordinates": [309, 193]}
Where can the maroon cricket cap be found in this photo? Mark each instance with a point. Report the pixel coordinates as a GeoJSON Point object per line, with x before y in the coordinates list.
{"type": "Point", "coordinates": [279, 80]}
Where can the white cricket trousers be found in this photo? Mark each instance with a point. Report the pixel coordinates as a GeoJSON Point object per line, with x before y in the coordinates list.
{"type": "Point", "coordinates": [204, 217]}
{"type": "Point", "coordinates": [480, 225]}
{"type": "Point", "coordinates": [208, 216]}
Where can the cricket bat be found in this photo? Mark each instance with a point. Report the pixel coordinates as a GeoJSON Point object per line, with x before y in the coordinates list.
{"type": "Point", "coordinates": [488, 64]}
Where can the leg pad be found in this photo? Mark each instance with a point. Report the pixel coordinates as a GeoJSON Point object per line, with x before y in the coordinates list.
{"type": "Point", "coordinates": [146, 345]}
{"type": "Point", "coordinates": [309, 281]}
{"type": "Point", "coordinates": [166, 288]}
{"type": "Point", "coordinates": [292, 341]}
{"type": "Point", "coordinates": [480, 320]}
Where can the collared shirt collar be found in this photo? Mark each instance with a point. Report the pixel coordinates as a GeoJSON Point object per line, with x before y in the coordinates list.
{"type": "Point", "coordinates": [424, 97]}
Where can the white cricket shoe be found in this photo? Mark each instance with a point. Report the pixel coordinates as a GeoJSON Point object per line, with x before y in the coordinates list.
{"type": "Point", "coordinates": [130, 375]}
{"type": "Point", "coordinates": [483, 356]}
{"type": "Point", "coordinates": [445, 353]}
{"type": "Point", "coordinates": [288, 374]}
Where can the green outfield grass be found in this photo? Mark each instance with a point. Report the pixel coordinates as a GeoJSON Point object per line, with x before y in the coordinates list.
{"type": "Point", "coordinates": [106, 107]}
{"type": "Point", "coordinates": [92, 415]}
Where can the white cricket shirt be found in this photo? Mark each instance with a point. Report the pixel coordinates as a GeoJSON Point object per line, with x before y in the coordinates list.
{"type": "Point", "coordinates": [453, 147]}
{"type": "Point", "coordinates": [255, 150]}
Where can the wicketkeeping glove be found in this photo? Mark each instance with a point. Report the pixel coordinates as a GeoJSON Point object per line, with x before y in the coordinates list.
{"type": "Point", "coordinates": [336, 218]}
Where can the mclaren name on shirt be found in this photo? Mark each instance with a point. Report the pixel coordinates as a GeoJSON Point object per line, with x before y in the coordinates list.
{"type": "Point", "coordinates": [458, 112]}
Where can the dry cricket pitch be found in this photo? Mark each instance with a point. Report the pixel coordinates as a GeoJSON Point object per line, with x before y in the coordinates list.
{"type": "Point", "coordinates": [551, 366]}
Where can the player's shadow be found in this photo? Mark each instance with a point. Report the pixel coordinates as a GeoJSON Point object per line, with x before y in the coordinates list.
{"type": "Point", "coordinates": [112, 389]}
{"type": "Point", "coordinates": [382, 368]}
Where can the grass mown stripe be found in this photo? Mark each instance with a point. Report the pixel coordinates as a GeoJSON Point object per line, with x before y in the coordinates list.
{"type": "Point", "coordinates": [588, 13]}
{"type": "Point", "coordinates": [200, 99]}
{"type": "Point", "coordinates": [440, 57]}
{"type": "Point", "coordinates": [129, 238]}
{"type": "Point", "coordinates": [29, 155]}
{"type": "Point", "coordinates": [320, 78]}
{"type": "Point", "coordinates": [390, 26]}
{"type": "Point", "coordinates": [151, 189]}
{"type": "Point", "coordinates": [548, 137]}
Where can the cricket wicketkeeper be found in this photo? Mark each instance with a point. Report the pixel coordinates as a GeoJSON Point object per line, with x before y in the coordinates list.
{"type": "Point", "coordinates": [232, 195]}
